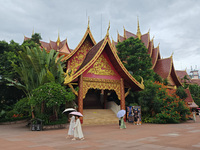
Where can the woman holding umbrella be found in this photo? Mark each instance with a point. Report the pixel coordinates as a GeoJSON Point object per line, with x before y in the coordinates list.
{"type": "Point", "coordinates": [78, 134]}
{"type": "Point", "coordinates": [71, 127]}
{"type": "Point", "coordinates": [72, 122]}
{"type": "Point", "coordinates": [120, 115]}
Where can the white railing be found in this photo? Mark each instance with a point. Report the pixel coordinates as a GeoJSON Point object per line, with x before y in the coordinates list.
{"type": "Point", "coordinates": [113, 106]}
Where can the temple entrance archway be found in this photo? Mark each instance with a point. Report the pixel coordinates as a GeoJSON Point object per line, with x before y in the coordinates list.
{"type": "Point", "coordinates": [93, 99]}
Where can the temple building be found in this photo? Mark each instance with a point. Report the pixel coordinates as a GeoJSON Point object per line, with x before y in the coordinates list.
{"type": "Point", "coordinates": [163, 67]}
{"type": "Point", "coordinates": [185, 79]}
{"type": "Point", "coordinates": [97, 66]}
{"type": "Point", "coordinates": [59, 46]}
{"type": "Point", "coordinates": [98, 71]}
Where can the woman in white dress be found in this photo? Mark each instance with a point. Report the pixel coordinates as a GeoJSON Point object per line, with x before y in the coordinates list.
{"type": "Point", "coordinates": [71, 127]}
{"type": "Point", "coordinates": [78, 134]}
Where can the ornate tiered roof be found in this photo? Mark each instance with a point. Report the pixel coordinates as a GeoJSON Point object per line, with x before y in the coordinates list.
{"type": "Point", "coordinates": [60, 46]}
{"type": "Point", "coordinates": [195, 81]}
{"type": "Point", "coordinates": [163, 67]}
{"type": "Point", "coordinates": [181, 74]}
{"type": "Point", "coordinates": [105, 46]}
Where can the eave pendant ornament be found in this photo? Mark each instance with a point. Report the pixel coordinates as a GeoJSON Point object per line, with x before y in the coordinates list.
{"type": "Point", "coordinates": [101, 67]}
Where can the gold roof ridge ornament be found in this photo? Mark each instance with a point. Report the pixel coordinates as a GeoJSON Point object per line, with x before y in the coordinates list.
{"type": "Point", "coordinates": [158, 44]}
{"type": "Point", "coordinates": [172, 54]}
{"type": "Point", "coordinates": [138, 29]}
{"type": "Point", "coordinates": [33, 31]}
{"type": "Point", "coordinates": [58, 40]}
{"type": "Point", "coordinates": [88, 22]}
{"type": "Point", "coordinates": [107, 34]}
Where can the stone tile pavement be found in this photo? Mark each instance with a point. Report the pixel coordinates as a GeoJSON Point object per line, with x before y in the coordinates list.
{"type": "Point", "coordinates": [107, 137]}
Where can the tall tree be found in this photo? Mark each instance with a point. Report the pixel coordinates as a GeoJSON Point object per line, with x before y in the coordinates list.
{"type": "Point", "coordinates": [8, 55]}
{"type": "Point", "coordinates": [135, 58]}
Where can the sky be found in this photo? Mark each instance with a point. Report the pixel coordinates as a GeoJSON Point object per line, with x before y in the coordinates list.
{"type": "Point", "coordinates": [174, 24]}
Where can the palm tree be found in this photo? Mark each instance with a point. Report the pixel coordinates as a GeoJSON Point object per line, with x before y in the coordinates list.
{"type": "Point", "coordinates": [37, 67]}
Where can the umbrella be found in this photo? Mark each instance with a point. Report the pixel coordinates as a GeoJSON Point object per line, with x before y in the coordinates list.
{"type": "Point", "coordinates": [69, 110]}
{"type": "Point", "coordinates": [121, 113]}
{"type": "Point", "coordinates": [76, 114]}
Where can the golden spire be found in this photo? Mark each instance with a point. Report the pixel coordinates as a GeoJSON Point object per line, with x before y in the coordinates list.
{"type": "Point", "coordinates": [33, 31]}
{"type": "Point", "coordinates": [118, 39]}
{"type": "Point", "coordinates": [58, 40]}
{"type": "Point", "coordinates": [158, 44]}
{"type": "Point", "coordinates": [172, 54]}
{"type": "Point", "coordinates": [138, 29]}
{"type": "Point", "coordinates": [124, 32]}
{"type": "Point", "coordinates": [88, 22]}
{"type": "Point", "coordinates": [107, 34]}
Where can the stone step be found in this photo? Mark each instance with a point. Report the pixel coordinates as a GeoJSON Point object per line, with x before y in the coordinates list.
{"type": "Point", "coordinates": [99, 117]}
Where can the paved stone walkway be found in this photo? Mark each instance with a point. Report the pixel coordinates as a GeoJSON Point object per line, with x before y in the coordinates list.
{"type": "Point", "coordinates": [106, 137]}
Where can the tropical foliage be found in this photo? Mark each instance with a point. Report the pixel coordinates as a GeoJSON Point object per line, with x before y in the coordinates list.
{"type": "Point", "coordinates": [159, 104]}
{"type": "Point", "coordinates": [195, 92]}
{"type": "Point", "coordinates": [49, 101]}
{"type": "Point", "coordinates": [135, 58]}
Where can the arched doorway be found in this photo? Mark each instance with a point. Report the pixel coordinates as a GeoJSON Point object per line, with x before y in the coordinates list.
{"type": "Point", "coordinates": [93, 99]}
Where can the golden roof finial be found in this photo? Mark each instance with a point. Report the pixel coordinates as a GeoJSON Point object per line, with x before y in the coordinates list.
{"type": "Point", "coordinates": [138, 29]}
{"type": "Point", "coordinates": [88, 22]}
{"type": "Point", "coordinates": [58, 40]}
{"type": "Point", "coordinates": [172, 54]}
{"type": "Point", "coordinates": [124, 32]}
{"type": "Point", "coordinates": [158, 44]}
{"type": "Point", "coordinates": [33, 31]}
{"type": "Point", "coordinates": [149, 30]}
{"type": "Point", "coordinates": [107, 34]}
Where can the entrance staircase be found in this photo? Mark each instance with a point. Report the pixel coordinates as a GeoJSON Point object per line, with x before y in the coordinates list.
{"type": "Point", "coordinates": [99, 117]}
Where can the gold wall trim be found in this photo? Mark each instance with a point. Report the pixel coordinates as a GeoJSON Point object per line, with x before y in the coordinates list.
{"type": "Point", "coordinates": [104, 84]}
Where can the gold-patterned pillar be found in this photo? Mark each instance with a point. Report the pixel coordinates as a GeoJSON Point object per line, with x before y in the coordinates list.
{"type": "Point", "coordinates": [80, 97]}
{"type": "Point", "coordinates": [122, 101]}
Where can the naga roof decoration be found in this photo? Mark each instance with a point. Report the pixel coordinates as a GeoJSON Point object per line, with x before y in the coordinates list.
{"type": "Point", "coordinates": [94, 54]}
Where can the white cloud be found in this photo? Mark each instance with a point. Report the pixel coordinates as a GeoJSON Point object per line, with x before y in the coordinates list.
{"type": "Point", "coordinates": [174, 23]}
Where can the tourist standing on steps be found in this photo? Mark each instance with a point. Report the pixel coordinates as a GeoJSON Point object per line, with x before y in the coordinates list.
{"type": "Point", "coordinates": [78, 134]}
{"type": "Point", "coordinates": [71, 127]}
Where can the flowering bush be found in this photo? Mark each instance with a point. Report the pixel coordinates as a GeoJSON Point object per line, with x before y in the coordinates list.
{"type": "Point", "coordinates": [162, 104]}
{"type": "Point", "coordinates": [173, 108]}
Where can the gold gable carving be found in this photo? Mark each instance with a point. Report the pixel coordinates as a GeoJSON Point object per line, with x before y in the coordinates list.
{"type": "Point", "coordinates": [105, 84]}
{"type": "Point", "coordinates": [77, 60]}
{"type": "Point", "coordinates": [101, 67]}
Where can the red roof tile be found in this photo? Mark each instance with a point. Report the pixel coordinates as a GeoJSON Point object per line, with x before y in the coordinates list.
{"type": "Point", "coordinates": [189, 97]}
{"type": "Point", "coordinates": [154, 57]}
{"type": "Point", "coordinates": [145, 40]}
{"type": "Point", "coordinates": [121, 38]}
{"type": "Point", "coordinates": [195, 81]}
{"type": "Point", "coordinates": [163, 67]}
{"type": "Point", "coordinates": [53, 45]}
{"type": "Point", "coordinates": [181, 74]}
{"type": "Point", "coordinates": [129, 34]}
